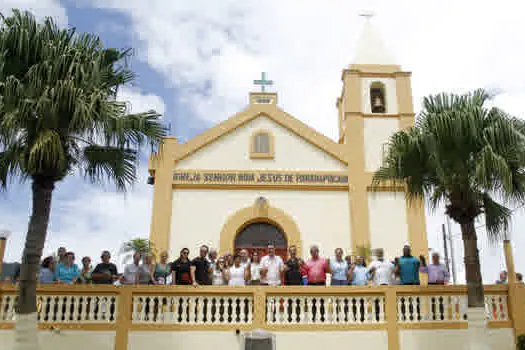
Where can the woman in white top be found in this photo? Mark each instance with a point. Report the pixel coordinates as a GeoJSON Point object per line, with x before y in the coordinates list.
{"type": "Point", "coordinates": [218, 273]}
{"type": "Point", "coordinates": [237, 275]}
{"type": "Point", "coordinates": [255, 269]}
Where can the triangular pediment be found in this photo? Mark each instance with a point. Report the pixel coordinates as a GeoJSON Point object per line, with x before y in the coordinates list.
{"type": "Point", "coordinates": [269, 112]}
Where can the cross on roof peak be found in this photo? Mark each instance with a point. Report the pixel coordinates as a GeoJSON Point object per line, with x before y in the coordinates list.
{"type": "Point", "coordinates": [263, 82]}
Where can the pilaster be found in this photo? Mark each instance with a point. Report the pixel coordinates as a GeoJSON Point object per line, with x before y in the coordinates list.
{"type": "Point", "coordinates": [161, 166]}
{"type": "Point", "coordinates": [354, 146]}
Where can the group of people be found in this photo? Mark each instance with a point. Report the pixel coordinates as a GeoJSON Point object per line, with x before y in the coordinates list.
{"type": "Point", "coordinates": [271, 270]}
{"type": "Point", "coordinates": [63, 269]}
{"type": "Point", "coordinates": [244, 269]}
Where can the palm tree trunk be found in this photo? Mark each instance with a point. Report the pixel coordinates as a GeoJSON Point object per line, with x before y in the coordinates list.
{"type": "Point", "coordinates": [26, 326]}
{"type": "Point", "coordinates": [473, 270]}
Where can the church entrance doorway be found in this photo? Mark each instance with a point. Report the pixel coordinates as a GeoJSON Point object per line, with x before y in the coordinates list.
{"type": "Point", "coordinates": [256, 237]}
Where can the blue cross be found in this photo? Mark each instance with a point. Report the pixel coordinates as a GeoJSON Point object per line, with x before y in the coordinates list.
{"type": "Point", "coordinates": [263, 82]}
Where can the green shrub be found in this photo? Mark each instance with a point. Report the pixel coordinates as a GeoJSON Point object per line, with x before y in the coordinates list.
{"type": "Point", "coordinates": [521, 342]}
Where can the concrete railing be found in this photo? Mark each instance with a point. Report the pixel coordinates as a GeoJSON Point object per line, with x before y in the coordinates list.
{"type": "Point", "coordinates": [126, 309]}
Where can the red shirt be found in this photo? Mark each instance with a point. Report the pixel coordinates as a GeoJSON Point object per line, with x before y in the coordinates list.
{"type": "Point", "coordinates": [316, 270]}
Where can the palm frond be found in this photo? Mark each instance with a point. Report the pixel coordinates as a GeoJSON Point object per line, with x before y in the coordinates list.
{"type": "Point", "coordinates": [497, 218]}
{"type": "Point", "coordinates": [58, 90]}
{"type": "Point", "coordinates": [102, 163]}
{"type": "Point", "coordinates": [459, 149]}
{"type": "Point", "coordinates": [11, 164]}
{"type": "Point", "coordinates": [142, 245]}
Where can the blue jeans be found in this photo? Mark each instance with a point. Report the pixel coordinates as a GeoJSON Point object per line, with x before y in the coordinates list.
{"type": "Point", "coordinates": [339, 283]}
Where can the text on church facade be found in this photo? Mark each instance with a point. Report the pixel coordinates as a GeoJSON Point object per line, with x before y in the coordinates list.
{"type": "Point", "coordinates": [260, 178]}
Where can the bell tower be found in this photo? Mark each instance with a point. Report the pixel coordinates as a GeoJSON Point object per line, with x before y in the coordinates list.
{"type": "Point", "coordinates": [375, 102]}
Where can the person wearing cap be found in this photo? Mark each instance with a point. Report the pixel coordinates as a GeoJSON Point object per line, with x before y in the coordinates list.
{"type": "Point", "coordinates": [437, 272]}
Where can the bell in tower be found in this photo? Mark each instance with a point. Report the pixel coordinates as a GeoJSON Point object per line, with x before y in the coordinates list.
{"type": "Point", "coordinates": [377, 98]}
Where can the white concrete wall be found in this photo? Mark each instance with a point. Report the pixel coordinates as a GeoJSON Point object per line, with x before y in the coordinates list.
{"type": "Point", "coordinates": [390, 90]}
{"type": "Point", "coordinates": [199, 215]}
{"type": "Point", "coordinates": [376, 340]}
{"type": "Point", "coordinates": [232, 152]}
{"type": "Point", "coordinates": [65, 340]}
{"type": "Point", "coordinates": [388, 222]}
{"type": "Point", "coordinates": [377, 132]}
{"type": "Point", "coordinates": [500, 339]}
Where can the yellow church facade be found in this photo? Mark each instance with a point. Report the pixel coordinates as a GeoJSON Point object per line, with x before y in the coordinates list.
{"type": "Point", "coordinates": [262, 175]}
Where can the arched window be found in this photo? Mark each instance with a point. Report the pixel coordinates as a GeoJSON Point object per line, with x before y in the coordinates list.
{"type": "Point", "coordinates": [377, 97]}
{"type": "Point", "coordinates": [259, 235]}
{"type": "Point", "coordinates": [261, 145]}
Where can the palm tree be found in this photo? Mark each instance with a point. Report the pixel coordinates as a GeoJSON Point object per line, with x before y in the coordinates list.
{"type": "Point", "coordinates": [58, 114]}
{"type": "Point", "coordinates": [467, 156]}
{"type": "Point", "coordinates": [141, 245]}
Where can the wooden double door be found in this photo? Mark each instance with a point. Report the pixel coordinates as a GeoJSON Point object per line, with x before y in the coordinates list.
{"type": "Point", "coordinates": [257, 236]}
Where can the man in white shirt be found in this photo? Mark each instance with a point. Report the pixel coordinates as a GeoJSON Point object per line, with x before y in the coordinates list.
{"type": "Point", "coordinates": [245, 260]}
{"type": "Point", "coordinates": [131, 271]}
{"type": "Point", "coordinates": [271, 268]}
{"type": "Point", "coordinates": [382, 272]}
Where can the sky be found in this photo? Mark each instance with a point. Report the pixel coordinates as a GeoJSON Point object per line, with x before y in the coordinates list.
{"type": "Point", "coordinates": [195, 62]}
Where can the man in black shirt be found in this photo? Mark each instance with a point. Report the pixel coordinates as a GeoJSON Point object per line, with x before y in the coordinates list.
{"type": "Point", "coordinates": [292, 269]}
{"type": "Point", "coordinates": [105, 272]}
{"type": "Point", "coordinates": [201, 268]}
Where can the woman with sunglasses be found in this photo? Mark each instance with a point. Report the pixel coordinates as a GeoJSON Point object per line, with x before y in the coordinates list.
{"type": "Point", "coordinates": [218, 273]}
{"type": "Point", "coordinates": [162, 269]}
{"type": "Point", "coordinates": [85, 272]}
{"type": "Point", "coordinates": [180, 269]}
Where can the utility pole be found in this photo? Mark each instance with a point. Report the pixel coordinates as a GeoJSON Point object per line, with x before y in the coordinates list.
{"type": "Point", "coordinates": [452, 258]}
{"type": "Point", "coordinates": [447, 263]}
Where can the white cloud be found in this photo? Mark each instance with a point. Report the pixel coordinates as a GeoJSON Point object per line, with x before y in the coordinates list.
{"type": "Point", "coordinates": [211, 50]}
{"type": "Point", "coordinates": [304, 45]}
{"type": "Point", "coordinates": [95, 219]}
{"type": "Point", "coordinates": [40, 8]}
{"type": "Point", "coordinates": [140, 102]}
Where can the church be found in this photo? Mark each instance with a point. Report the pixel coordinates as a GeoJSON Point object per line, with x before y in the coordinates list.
{"type": "Point", "coordinates": [264, 176]}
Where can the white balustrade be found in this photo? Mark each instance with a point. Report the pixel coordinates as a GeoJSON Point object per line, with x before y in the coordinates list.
{"type": "Point", "coordinates": [222, 308]}
{"type": "Point", "coordinates": [446, 308]}
{"type": "Point", "coordinates": [496, 307]}
{"type": "Point", "coordinates": [193, 309]}
{"type": "Point", "coordinates": [65, 308]}
{"type": "Point", "coordinates": [325, 309]}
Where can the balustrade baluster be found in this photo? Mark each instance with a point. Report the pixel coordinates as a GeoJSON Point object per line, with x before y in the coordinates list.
{"type": "Point", "coordinates": [381, 301]}
{"type": "Point", "coordinates": [309, 309]}
{"type": "Point", "coordinates": [77, 300]}
{"type": "Point", "coordinates": [248, 310]}
{"type": "Point", "coordinates": [302, 309]}
{"type": "Point", "coordinates": [400, 309]}
{"type": "Point", "coordinates": [59, 307]}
